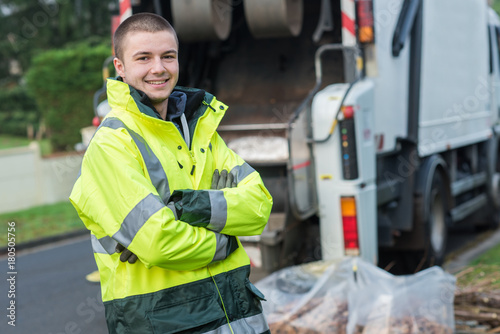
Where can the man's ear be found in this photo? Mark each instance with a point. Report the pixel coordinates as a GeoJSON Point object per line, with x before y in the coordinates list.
{"type": "Point", "coordinates": [119, 67]}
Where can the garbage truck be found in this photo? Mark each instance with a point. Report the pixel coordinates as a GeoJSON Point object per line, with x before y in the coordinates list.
{"type": "Point", "coordinates": [374, 123]}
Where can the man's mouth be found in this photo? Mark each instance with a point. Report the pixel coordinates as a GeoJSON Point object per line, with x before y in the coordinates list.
{"type": "Point", "coordinates": [157, 82]}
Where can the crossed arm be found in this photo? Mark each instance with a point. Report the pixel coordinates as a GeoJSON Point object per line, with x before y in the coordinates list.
{"type": "Point", "coordinates": [186, 231]}
{"type": "Point", "coordinates": [219, 181]}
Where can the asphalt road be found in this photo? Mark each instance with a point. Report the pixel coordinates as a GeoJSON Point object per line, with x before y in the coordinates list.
{"type": "Point", "coordinates": [51, 293]}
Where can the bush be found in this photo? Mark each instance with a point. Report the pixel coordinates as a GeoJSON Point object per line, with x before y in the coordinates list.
{"type": "Point", "coordinates": [17, 111]}
{"type": "Point", "coordinates": [63, 82]}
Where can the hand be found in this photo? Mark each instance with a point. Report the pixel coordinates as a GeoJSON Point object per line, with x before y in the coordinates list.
{"type": "Point", "coordinates": [222, 180]}
{"type": "Point", "coordinates": [126, 255]}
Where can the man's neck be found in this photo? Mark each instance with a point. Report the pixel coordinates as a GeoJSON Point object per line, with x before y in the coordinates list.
{"type": "Point", "coordinates": [162, 108]}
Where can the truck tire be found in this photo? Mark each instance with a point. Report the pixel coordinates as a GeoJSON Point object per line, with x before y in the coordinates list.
{"type": "Point", "coordinates": [436, 225]}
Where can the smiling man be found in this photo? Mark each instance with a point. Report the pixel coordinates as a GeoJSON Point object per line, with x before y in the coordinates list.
{"type": "Point", "coordinates": [148, 62]}
{"type": "Point", "coordinates": [164, 221]}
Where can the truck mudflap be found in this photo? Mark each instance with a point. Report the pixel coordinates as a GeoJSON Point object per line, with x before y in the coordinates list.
{"type": "Point", "coordinates": [342, 119]}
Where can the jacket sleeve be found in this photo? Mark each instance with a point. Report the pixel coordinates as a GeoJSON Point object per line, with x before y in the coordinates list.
{"type": "Point", "coordinates": [119, 204]}
{"type": "Point", "coordinates": [240, 211]}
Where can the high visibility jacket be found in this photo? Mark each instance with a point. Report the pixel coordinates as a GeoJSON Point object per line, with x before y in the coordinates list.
{"type": "Point", "coordinates": [142, 186]}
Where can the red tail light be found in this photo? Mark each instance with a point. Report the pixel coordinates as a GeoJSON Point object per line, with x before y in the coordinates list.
{"type": "Point", "coordinates": [350, 225]}
{"type": "Point", "coordinates": [348, 112]}
{"type": "Point", "coordinates": [364, 13]}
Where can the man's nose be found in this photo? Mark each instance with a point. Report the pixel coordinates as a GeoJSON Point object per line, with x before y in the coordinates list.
{"type": "Point", "coordinates": [157, 66]}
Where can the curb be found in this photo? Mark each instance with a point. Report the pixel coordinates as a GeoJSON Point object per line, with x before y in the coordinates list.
{"type": "Point", "coordinates": [463, 259]}
{"type": "Point", "coordinates": [45, 241]}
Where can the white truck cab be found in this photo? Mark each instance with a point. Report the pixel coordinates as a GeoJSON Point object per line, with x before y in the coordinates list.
{"type": "Point", "coordinates": [418, 150]}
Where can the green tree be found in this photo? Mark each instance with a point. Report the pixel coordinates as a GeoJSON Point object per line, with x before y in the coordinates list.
{"type": "Point", "coordinates": [17, 112]}
{"type": "Point", "coordinates": [29, 26]}
{"type": "Point", "coordinates": [63, 82]}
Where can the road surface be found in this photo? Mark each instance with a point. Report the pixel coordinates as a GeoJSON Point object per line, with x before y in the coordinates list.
{"type": "Point", "coordinates": [51, 293]}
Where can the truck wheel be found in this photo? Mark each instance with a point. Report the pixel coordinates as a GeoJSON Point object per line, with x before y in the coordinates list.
{"type": "Point", "coordinates": [436, 224]}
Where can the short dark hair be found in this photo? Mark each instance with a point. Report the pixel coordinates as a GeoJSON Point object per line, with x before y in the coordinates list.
{"type": "Point", "coordinates": [143, 22]}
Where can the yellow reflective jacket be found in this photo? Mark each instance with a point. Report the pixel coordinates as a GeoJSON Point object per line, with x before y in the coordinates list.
{"type": "Point", "coordinates": [144, 186]}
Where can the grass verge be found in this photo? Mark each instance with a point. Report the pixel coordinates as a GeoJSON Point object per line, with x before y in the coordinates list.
{"type": "Point", "coordinates": [8, 141]}
{"type": "Point", "coordinates": [42, 221]}
{"type": "Point", "coordinates": [483, 271]}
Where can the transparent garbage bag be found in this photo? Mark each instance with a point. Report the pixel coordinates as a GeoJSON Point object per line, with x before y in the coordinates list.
{"type": "Point", "coordinates": [309, 298]}
{"type": "Point", "coordinates": [381, 303]}
{"type": "Point", "coordinates": [355, 297]}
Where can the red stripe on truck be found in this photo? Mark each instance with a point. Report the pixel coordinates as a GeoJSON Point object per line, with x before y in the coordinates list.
{"type": "Point", "coordinates": [124, 6]}
{"type": "Point", "coordinates": [348, 23]}
{"type": "Point", "coordinates": [302, 165]}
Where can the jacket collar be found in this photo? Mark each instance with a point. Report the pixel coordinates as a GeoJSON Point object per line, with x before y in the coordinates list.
{"type": "Point", "coordinates": [182, 100]}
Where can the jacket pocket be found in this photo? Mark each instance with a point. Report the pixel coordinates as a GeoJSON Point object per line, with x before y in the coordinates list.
{"type": "Point", "coordinates": [253, 289]}
{"type": "Point", "coordinates": [249, 299]}
{"type": "Point", "coordinates": [185, 316]}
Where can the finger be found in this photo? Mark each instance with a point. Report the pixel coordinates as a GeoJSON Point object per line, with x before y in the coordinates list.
{"type": "Point", "coordinates": [222, 179]}
{"type": "Point", "coordinates": [132, 258]}
{"type": "Point", "coordinates": [119, 248]}
{"type": "Point", "coordinates": [215, 179]}
{"type": "Point", "coordinates": [233, 185]}
{"type": "Point", "coordinates": [125, 255]}
{"type": "Point", "coordinates": [230, 180]}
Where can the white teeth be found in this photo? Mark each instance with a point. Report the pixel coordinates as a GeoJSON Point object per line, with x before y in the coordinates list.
{"type": "Point", "coordinates": [157, 82]}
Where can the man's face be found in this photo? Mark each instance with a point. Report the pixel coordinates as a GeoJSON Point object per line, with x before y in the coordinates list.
{"type": "Point", "coordinates": [149, 63]}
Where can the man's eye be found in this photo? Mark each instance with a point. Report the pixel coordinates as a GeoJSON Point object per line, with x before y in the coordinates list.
{"type": "Point", "coordinates": [142, 58]}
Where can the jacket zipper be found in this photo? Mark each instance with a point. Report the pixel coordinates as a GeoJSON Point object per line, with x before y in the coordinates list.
{"type": "Point", "coordinates": [194, 162]}
{"type": "Point", "coordinates": [208, 105]}
{"type": "Point", "coordinates": [190, 151]}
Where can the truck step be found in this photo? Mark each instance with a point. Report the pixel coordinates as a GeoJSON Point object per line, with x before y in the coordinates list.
{"type": "Point", "coordinates": [463, 210]}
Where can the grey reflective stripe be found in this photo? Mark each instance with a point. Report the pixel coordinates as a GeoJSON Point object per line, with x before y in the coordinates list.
{"type": "Point", "coordinates": [153, 165]}
{"type": "Point", "coordinates": [242, 171]}
{"type": "Point", "coordinates": [105, 245]}
{"type": "Point", "coordinates": [185, 130]}
{"type": "Point", "coordinates": [221, 247]}
{"type": "Point", "coordinates": [218, 210]}
{"type": "Point", "coordinates": [171, 206]}
{"type": "Point", "coordinates": [136, 218]}
{"type": "Point", "coordinates": [255, 325]}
